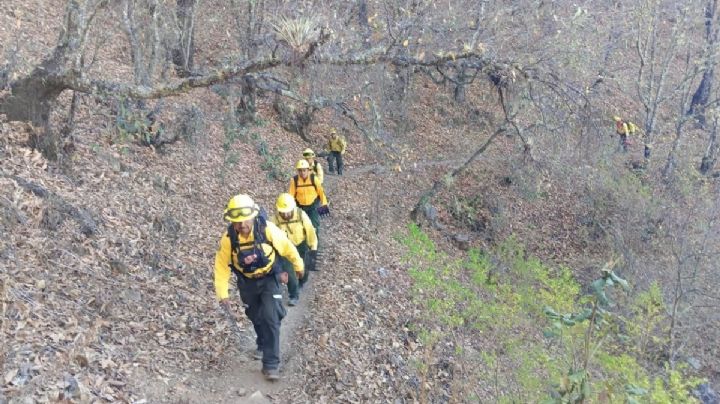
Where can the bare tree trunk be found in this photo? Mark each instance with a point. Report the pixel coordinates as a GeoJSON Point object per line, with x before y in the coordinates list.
{"type": "Point", "coordinates": [256, 16]}
{"type": "Point", "coordinates": [656, 56]}
{"type": "Point", "coordinates": [136, 51]}
{"type": "Point", "coordinates": [702, 94]}
{"type": "Point", "coordinates": [183, 53]}
{"type": "Point", "coordinates": [32, 97]}
{"type": "Point", "coordinates": [459, 91]}
{"type": "Point", "coordinates": [671, 162]}
{"type": "Point", "coordinates": [710, 156]}
{"type": "Point", "coordinates": [441, 183]}
{"type": "Point", "coordinates": [246, 105]}
{"type": "Point", "coordinates": [363, 22]}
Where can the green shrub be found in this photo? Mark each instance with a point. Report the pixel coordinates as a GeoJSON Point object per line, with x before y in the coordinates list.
{"type": "Point", "coordinates": [503, 298]}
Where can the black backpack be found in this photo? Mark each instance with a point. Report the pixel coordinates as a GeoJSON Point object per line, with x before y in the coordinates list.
{"type": "Point", "coordinates": [259, 238]}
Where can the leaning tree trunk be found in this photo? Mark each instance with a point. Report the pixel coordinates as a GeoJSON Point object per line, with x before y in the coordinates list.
{"type": "Point", "coordinates": [708, 160]}
{"type": "Point", "coordinates": [461, 77]}
{"type": "Point", "coordinates": [702, 94]}
{"type": "Point", "coordinates": [32, 97]}
{"type": "Point", "coordinates": [246, 105]}
{"type": "Point", "coordinates": [31, 100]}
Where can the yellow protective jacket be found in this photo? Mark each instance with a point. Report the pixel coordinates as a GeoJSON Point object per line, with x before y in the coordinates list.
{"type": "Point", "coordinates": [625, 128]}
{"type": "Point", "coordinates": [224, 257]}
{"type": "Point", "coordinates": [318, 170]}
{"type": "Point", "coordinates": [632, 128]}
{"type": "Point", "coordinates": [307, 190]}
{"type": "Point", "coordinates": [338, 144]}
{"type": "Point", "coordinates": [298, 228]}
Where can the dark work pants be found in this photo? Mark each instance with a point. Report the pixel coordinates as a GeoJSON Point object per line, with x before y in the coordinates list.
{"type": "Point", "coordinates": [294, 284]}
{"type": "Point", "coordinates": [312, 212]}
{"type": "Point", "coordinates": [263, 298]}
{"type": "Point", "coordinates": [624, 142]}
{"type": "Point", "coordinates": [336, 157]}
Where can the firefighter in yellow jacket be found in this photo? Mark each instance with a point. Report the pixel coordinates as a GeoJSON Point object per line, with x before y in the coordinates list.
{"type": "Point", "coordinates": [300, 231]}
{"type": "Point", "coordinates": [624, 129]}
{"type": "Point", "coordinates": [249, 249]}
{"type": "Point", "coordinates": [309, 193]}
{"type": "Point", "coordinates": [337, 146]}
{"type": "Point", "coordinates": [315, 166]}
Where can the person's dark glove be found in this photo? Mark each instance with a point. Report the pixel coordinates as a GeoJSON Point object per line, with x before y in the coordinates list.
{"type": "Point", "coordinates": [311, 260]}
{"type": "Point", "coordinates": [323, 210]}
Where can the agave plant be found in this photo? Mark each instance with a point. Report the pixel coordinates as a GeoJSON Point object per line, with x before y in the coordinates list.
{"type": "Point", "coordinates": [296, 32]}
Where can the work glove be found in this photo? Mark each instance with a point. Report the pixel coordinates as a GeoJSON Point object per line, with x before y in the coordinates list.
{"type": "Point", "coordinates": [311, 260]}
{"type": "Point", "coordinates": [323, 210]}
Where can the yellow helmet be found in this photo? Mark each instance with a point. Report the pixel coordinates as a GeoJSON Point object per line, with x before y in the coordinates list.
{"type": "Point", "coordinates": [302, 164]}
{"type": "Point", "coordinates": [308, 153]}
{"type": "Point", "coordinates": [285, 203]}
{"type": "Point", "coordinates": [616, 118]}
{"type": "Point", "coordinates": [333, 131]}
{"type": "Point", "coordinates": [241, 208]}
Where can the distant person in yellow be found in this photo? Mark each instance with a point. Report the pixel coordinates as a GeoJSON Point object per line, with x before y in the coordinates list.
{"type": "Point", "coordinates": [315, 165]}
{"type": "Point", "coordinates": [624, 129]}
{"type": "Point", "coordinates": [337, 146]}
{"type": "Point", "coordinates": [309, 193]}
{"type": "Point", "coordinates": [249, 249]}
{"type": "Point", "coordinates": [300, 231]}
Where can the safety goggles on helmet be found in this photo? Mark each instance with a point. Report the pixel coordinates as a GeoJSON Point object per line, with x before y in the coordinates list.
{"type": "Point", "coordinates": [245, 211]}
{"type": "Point", "coordinates": [308, 154]}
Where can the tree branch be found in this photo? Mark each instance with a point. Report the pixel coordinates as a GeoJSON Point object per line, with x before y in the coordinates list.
{"type": "Point", "coordinates": [440, 183]}
{"type": "Point", "coordinates": [90, 86]}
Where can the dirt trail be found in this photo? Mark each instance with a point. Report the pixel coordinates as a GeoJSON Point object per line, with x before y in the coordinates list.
{"type": "Point", "coordinates": [241, 381]}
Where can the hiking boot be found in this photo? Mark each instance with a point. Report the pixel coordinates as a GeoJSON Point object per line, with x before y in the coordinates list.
{"type": "Point", "coordinates": [271, 374]}
{"type": "Point", "coordinates": [293, 301]}
{"type": "Point", "coordinates": [258, 354]}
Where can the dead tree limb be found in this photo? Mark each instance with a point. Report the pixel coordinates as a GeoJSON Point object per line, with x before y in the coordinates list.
{"type": "Point", "coordinates": [88, 226]}
{"type": "Point", "coordinates": [440, 183]}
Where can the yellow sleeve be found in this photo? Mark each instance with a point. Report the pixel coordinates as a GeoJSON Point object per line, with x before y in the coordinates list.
{"type": "Point", "coordinates": [284, 247]}
{"type": "Point", "coordinates": [310, 234]}
{"type": "Point", "coordinates": [321, 193]}
{"type": "Point", "coordinates": [343, 145]}
{"type": "Point", "coordinates": [320, 173]}
{"type": "Point", "coordinates": [291, 190]}
{"type": "Point", "coordinates": [222, 268]}
{"type": "Point", "coordinates": [625, 129]}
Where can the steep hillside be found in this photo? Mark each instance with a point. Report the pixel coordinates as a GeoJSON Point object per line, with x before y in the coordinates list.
{"type": "Point", "coordinates": [106, 255]}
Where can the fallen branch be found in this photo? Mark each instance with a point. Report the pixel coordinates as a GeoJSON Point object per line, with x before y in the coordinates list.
{"type": "Point", "coordinates": [88, 226]}
{"type": "Point", "coordinates": [440, 183]}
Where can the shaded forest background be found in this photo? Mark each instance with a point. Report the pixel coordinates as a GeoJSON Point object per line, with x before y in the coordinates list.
{"type": "Point", "coordinates": [127, 125]}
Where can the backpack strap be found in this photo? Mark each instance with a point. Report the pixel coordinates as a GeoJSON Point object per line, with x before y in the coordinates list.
{"type": "Point", "coordinates": [312, 181]}
{"type": "Point", "coordinates": [282, 222]}
{"type": "Point", "coordinates": [259, 227]}
{"type": "Point", "coordinates": [259, 231]}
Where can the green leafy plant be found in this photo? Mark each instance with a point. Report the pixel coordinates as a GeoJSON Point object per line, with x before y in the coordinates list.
{"type": "Point", "coordinates": [483, 309]}
{"type": "Point", "coordinates": [272, 162]}
{"type": "Point", "coordinates": [574, 387]}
